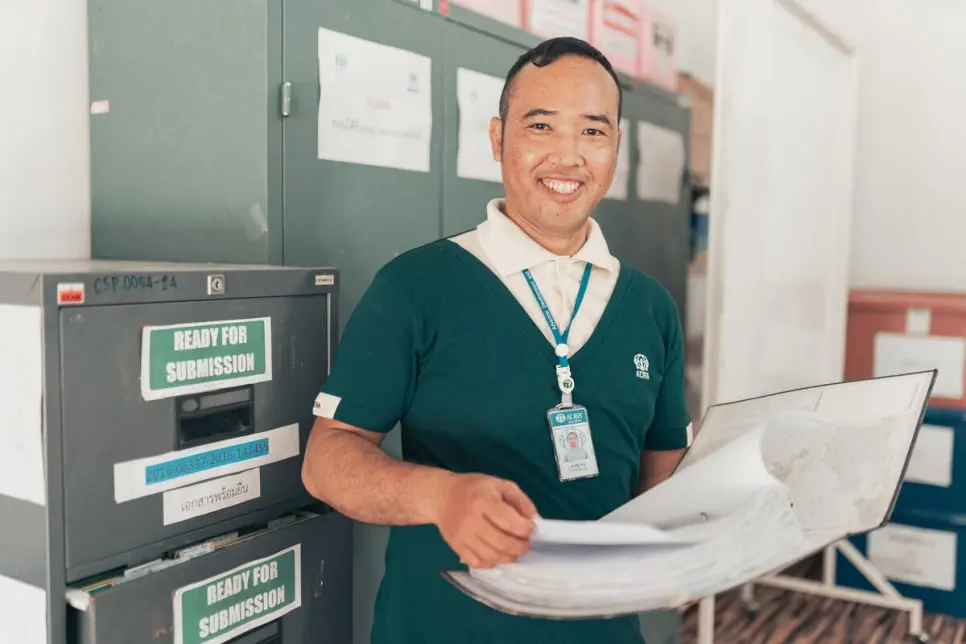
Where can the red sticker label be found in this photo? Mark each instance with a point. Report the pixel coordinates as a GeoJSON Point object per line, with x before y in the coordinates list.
{"type": "Point", "coordinates": [70, 293]}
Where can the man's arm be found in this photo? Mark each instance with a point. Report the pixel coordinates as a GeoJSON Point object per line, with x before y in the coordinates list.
{"type": "Point", "coordinates": [485, 520]}
{"type": "Point", "coordinates": [657, 466]}
{"type": "Point", "coordinates": [346, 468]}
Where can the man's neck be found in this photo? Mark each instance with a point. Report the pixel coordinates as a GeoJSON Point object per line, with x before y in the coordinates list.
{"type": "Point", "coordinates": [560, 244]}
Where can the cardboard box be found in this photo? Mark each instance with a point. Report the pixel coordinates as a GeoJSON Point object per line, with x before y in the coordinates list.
{"type": "Point", "coordinates": [899, 331]}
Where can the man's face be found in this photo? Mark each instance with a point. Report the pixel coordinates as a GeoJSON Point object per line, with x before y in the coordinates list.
{"type": "Point", "coordinates": [559, 143]}
{"type": "Point", "coordinates": [572, 441]}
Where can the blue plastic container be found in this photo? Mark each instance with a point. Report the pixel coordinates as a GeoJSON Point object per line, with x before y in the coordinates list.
{"type": "Point", "coordinates": [924, 556]}
{"type": "Point", "coordinates": [936, 477]}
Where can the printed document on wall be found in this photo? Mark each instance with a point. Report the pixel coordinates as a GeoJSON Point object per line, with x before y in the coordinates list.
{"type": "Point", "coordinates": [21, 397]}
{"type": "Point", "coordinates": [375, 103]}
{"type": "Point", "coordinates": [622, 173]}
{"type": "Point", "coordinates": [551, 18]}
{"type": "Point", "coordinates": [660, 171]}
{"type": "Point", "coordinates": [478, 96]}
{"type": "Point", "coordinates": [506, 11]}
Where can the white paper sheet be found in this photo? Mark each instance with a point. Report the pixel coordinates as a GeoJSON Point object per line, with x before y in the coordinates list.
{"type": "Point", "coordinates": [375, 104]}
{"type": "Point", "coordinates": [506, 11]}
{"type": "Point", "coordinates": [898, 353]}
{"type": "Point", "coordinates": [918, 556]}
{"type": "Point", "coordinates": [552, 18]}
{"type": "Point", "coordinates": [598, 533]}
{"type": "Point", "coordinates": [478, 96]}
{"type": "Point", "coordinates": [660, 170]}
{"type": "Point", "coordinates": [783, 484]}
{"type": "Point", "coordinates": [23, 613]}
{"type": "Point", "coordinates": [622, 173]}
{"type": "Point", "coordinates": [21, 398]}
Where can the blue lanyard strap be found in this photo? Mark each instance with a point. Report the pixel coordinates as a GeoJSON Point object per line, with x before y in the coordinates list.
{"type": "Point", "coordinates": [560, 338]}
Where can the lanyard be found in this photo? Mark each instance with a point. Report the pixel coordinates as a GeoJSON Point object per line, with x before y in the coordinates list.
{"type": "Point", "coordinates": [564, 379]}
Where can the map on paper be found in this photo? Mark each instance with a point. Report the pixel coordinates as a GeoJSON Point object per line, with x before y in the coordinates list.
{"type": "Point", "coordinates": [767, 482]}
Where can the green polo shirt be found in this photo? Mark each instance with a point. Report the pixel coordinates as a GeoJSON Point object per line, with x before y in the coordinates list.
{"type": "Point", "coordinates": [439, 345]}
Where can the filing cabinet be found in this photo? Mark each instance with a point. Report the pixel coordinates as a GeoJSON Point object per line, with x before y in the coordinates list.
{"type": "Point", "coordinates": [157, 415]}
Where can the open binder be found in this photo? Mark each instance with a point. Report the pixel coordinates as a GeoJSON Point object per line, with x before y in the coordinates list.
{"type": "Point", "coordinates": [767, 482]}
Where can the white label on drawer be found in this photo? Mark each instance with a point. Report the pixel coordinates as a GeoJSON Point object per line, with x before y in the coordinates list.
{"type": "Point", "coordinates": [223, 607]}
{"type": "Point", "coordinates": [23, 612]}
{"type": "Point", "coordinates": [210, 496]}
{"type": "Point", "coordinates": [156, 474]}
{"type": "Point", "coordinates": [931, 461]}
{"type": "Point", "coordinates": [916, 556]}
{"type": "Point", "coordinates": [897, 353]}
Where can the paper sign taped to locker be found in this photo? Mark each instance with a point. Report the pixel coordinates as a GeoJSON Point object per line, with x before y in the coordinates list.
{"type": "Point", "coordinates": [208, 497]}
{"type": "Point", "coordinates": [193, 358]}
{"type": "Point", "coordinates": [931, 461]}
{"type": "Point", "coordinates": [622, 173]}
{"type": "Point", "coordinates": [375, 103]}
{"type": "Point", "coordinates": [240, 600]}
{"type": "Point", "coordinates": [660, 170]}
{"type": "Point", "coordinates": [552, 18]}
{"type": "Point", "coordinates": [156, 474]}
{"type": "Point", "coordinates": [509, 12]}
{"type": "Point", "coordinates": [478, 96]}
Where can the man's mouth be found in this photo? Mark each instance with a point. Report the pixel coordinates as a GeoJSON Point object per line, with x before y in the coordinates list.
{"type": "Point", "coordinates": [562, 187]}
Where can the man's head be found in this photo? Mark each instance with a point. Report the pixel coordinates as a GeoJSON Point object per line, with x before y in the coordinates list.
{"type": "Point", "coordinates": [557, 134]}
{"type": "Point", "coordinates": [572, 440]}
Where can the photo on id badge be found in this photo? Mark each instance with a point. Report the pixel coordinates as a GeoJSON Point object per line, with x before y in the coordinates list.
{"type": "Point", "coordinates": [573, 444]}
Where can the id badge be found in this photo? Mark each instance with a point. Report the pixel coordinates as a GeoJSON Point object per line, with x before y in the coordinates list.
{"type": "Point", "coordinates": [573, 445]}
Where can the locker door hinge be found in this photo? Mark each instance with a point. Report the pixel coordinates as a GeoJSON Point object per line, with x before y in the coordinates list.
{"type": "Point", "coordinates": [285, 99]}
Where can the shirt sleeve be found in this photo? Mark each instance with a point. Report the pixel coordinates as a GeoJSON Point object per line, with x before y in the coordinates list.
{"type": "Point", "coordinates": [373, 372]}
{"type": "Point", "coordinates": [671, 427]}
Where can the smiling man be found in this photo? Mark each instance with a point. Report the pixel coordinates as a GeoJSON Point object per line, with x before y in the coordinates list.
{"type": "Point", "coordinates": [493, 350]}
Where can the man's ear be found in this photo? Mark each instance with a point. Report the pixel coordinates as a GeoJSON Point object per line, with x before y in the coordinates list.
{"type": "Point", "coordinates": [496, 138]}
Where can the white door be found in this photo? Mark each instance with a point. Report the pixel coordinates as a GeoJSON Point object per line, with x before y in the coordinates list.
{"type": "Point", "coordinates": [781, 202]}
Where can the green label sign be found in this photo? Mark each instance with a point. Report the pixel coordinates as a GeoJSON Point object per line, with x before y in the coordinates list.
{"type": "Point", "coordinates": [192, 358]}
{"type": "Point", "coordinates": [223, 607]}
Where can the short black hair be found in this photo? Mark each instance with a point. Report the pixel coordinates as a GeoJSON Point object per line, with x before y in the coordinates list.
{"type": "Point", "coordinates": [548, 52]}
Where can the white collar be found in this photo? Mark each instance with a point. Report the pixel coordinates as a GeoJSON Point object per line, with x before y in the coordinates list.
{"type": "Point", "coordinates": [511, 250]}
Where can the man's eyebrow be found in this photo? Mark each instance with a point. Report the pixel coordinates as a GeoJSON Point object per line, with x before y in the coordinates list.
{"type": "Point", "coordinates": [598, 118]}
{"type": "Point", "coordinates": [538, 111]}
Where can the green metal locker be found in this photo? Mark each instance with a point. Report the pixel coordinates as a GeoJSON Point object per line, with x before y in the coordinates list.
{"type": "Point", "coordinates": [204, 134]}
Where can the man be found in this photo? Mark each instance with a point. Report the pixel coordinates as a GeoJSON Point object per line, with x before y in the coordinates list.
{"type": "Point", "coordinates": [489, 348]}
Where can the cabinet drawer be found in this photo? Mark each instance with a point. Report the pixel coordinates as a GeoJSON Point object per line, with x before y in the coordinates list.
{"type": "Point", "coordinates": [278, 585]}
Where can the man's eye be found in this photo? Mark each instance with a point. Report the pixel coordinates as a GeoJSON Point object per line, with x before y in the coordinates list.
{"type": "Point", "coordinates": [540, 126]}
{"type": "Point", "coordinates": [594, 132]}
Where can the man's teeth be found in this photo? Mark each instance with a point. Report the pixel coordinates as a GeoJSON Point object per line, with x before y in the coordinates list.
{"type": "Point", "coordinates": [562, 187]}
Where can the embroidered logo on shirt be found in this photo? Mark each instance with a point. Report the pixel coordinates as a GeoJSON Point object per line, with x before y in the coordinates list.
{"type": "Point", "coordinates": [641, 366]}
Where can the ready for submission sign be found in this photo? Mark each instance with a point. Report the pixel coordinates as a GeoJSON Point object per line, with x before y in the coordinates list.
{"type": "Point", "coordinates": [192, 358]}
{"type": "Point", "coordinates": [221, 608]}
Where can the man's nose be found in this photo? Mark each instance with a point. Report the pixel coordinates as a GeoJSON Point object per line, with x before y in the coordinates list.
{"type": "Point", "coordinates": [567, 151]}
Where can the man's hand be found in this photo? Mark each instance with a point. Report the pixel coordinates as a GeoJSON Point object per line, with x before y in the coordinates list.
{"type": "Point", "coordinates": [485, 520]}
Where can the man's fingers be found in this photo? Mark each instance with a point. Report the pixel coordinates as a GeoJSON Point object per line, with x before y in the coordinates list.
{"type": "Point", "coordinates": [507, 545]}
{"type": "Point", "coordinates": [485, 554]}
{"type": "Point", "coordinates": [520, 501]}
{"type": "Point", "coordinates": [508, 519]}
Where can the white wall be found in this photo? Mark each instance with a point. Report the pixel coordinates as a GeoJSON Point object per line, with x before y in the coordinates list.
{"type": "Point", "coordinates": [910, 228]}
{"type": "Point", "coordinates": [44, 141]}
{"type": "Point", "coordinates": [697, 34]}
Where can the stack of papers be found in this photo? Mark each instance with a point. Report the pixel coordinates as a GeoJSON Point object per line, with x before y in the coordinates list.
{"type": "Point", "coordinates": [767, 482]}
